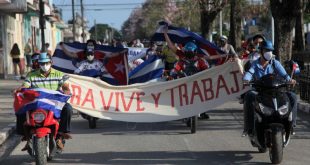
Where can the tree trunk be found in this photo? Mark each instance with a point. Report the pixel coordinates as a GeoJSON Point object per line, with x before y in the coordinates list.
{"type": "Point", "coordinates": [206, 24]}
{"type": "Point", "coordinates": [283, 38]}
{"type": "Point", "coordinates": [208, 11]}
{"type": "Point", "coordinates": [299, 30]}
{"type": "Point", "coordinates": [284, 13]}
{"type": "Point", "coordinates": [235, 24]}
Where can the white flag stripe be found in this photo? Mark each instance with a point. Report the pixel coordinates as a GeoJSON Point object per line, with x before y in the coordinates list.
{"type": "Point", "coordinates": [150, 67]}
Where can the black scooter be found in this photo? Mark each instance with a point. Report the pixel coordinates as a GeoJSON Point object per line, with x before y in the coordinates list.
{"type": "Point", "coordinates": [272, 117]}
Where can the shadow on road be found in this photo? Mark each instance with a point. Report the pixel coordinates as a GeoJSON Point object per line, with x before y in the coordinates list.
{"type": "Point", "coordinates": [154, 157]}
{"type": "Point", "coordinates": [225, 119]}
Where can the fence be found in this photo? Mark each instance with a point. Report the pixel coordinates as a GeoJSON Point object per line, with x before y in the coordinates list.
{"type": "Point", "coordinates": [304, 78]}
{"type": "Point", "coordinates": [304, 84]}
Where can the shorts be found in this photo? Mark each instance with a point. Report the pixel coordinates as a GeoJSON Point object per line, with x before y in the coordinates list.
{"type": "Point", "coordinates": [28, 60]}
{"type": "Point", "coordinates": [16, 60]}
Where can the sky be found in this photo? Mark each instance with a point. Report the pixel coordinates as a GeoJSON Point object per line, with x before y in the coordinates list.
{"type": "Point", "coordinates": [113, 13]}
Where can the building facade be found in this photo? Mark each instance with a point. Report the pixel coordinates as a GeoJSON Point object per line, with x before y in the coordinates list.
{"type": "Point", "coordinates": [19, 21]}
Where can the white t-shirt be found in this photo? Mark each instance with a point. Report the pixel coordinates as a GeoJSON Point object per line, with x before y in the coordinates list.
{"type": "Point", "coordinates": [86, 65]}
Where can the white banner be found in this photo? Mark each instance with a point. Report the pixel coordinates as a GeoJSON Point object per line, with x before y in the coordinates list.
{"type": "Point", "coordinates": [158, 101]}
{"type": "Point", "coordinates": [136, 53]}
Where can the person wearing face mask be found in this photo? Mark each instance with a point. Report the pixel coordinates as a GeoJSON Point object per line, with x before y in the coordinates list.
{"type": "Point", "coordinates": [48, 78]}
{"type": "Point", "coordinates": [90, 45]}
{"type": "Point", "coordinates": [189, 62]}
{"type": "Point", "coordinates": [35, 61]}
{"type": "Point", "coordinates": [90, 67]}
{"type": "Point", "coordinates": [265, 64]}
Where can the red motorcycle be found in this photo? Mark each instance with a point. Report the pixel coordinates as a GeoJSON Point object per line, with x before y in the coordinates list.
{"type": "Point", "coordinates": [40, 109]}
{"type": "Point", "coordinates": [42, 129]}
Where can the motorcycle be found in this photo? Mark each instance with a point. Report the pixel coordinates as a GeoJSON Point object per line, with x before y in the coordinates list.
{"type": "Point", "coordinates": [272, 117]}
{"type": "Point", "coordinates": [40, 126]}
{"type": "Point", "coordinates": [43, 130]}
{"type": "Point", "coordinates": [191, 121]}
{"type": "Point", "coordinates": [92, 121]}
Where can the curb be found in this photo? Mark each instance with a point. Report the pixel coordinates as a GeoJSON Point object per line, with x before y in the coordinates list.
{"type": "Point", "coordinates": [6, 132]}
{"type": "Point", "coordinates": [303, 106]}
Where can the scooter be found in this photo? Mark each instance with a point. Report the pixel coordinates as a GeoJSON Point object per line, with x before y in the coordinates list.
{"type": "Point", "coordinates": [272, 117]}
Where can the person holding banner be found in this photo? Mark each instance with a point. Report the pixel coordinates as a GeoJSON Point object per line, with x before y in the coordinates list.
{"type": "Point", "coordinates": [90, 45]}
{"type": "Point", "coordinates": [189, 63]}
{"type": "Point", "coordinates": [48, 78]}
{"type": "Point", "coordinates": [90, 67]}
{"type": "Point", "coordinates": [264, 65]}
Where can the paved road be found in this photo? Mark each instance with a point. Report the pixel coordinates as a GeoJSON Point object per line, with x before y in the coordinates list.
{"type": "Point", "coordinates": [217, 141]}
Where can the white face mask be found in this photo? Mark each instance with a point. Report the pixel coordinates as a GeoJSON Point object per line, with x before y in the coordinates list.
{"type": "Point", "coordinates": [46, 67]}
{"type": "Point", "coordinates": [90, 58]}
{"type": "Point", "coordinates": [268, 55]}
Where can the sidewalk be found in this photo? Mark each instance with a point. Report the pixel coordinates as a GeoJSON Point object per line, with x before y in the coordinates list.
{"type": "Point", "coordinates": [7, 116]}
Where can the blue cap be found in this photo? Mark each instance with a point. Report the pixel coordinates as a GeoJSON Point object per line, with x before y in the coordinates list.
{"type": "Point", "coordinates": [267, 45]}
{"type": "Point", "coordinates": [44, 57]}
{"type": "Point", "coordinates": [190, 46]}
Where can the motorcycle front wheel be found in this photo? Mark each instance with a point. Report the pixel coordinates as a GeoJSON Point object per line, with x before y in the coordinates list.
{"type": "Point", "coordinates": [276, 149]}
{"type": "Point", "coordinates": [40, 150]}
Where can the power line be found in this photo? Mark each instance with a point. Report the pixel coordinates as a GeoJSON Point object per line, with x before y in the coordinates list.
{"type": "Point", "coordinates": [103, 9]}
{"type": "Point", "coordinates": [101, 4]}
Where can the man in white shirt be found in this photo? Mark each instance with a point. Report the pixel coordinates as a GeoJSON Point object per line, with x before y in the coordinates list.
{"type": "Point", "coordinates": [90, 67]}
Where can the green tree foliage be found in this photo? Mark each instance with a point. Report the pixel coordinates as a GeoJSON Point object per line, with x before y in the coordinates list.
{"type": "Point", "coordinates": [143, 22]}
{"type": "Point", "coordinates": [102, 31]}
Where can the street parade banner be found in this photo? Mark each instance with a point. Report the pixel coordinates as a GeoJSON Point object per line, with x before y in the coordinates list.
{"type": "Point", "coordinates": [158, 101]}
{"type": "Point", "coordinates": [136, 53]}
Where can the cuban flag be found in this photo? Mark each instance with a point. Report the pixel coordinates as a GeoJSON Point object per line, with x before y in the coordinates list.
{"type": "Point", "coordinates": [35, 98]}
{"type": "Point", "coordinates": [182, 36]}
{"type": "Point", "coordinates": [150, 70]}
{"type": "Point", "coordinates": [117, 67]}
{"type": "Point", "coordinates": [296, 69]}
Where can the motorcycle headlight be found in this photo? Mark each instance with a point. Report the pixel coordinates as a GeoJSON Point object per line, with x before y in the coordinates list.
{"type": "Point", "coordinates": [38, 117]}
{"type": "Point", "coordinates": [283, 109]}
{"type": "Point", "coordinates": [265, 110]}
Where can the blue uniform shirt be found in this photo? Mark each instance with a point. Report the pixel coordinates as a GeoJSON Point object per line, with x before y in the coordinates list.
{"type": "Point", "coordinates": [257, 71]}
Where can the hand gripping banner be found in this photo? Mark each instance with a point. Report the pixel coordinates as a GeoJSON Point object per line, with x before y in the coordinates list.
{"type": "Point", "coordinates": [158, 101]}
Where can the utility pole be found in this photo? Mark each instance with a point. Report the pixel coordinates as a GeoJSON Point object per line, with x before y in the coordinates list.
{"type": "Point", "coordinates": [95, 29]}
{"type": "Point", "coordinates": [221, 23]}
{"type": "Point", "coordinates": [82, 13]}
{"type": "Point", "coordinates": [73, 21]}
{"type": "Point", "coordinates": [42, 24]}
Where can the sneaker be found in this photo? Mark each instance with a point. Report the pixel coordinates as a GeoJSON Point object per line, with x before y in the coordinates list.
{"type": "Point", "coordinates": [60, 144]}
{"type": "Point", "coordinates": [293, 131]}
{"type": "Point", "coordinates": [244, 134]}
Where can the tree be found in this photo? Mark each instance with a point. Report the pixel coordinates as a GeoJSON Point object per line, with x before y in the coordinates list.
{"type": "Point", "coordinates": [299, 27]}
{"type": "Point", "coordinates": [235, 23]}
{"type": "Point", "coordinates": [284, 13]}
{"type": "Point", "coordinates": [208, 12]}
{"type": "Point", "coordinates": [101, 30]}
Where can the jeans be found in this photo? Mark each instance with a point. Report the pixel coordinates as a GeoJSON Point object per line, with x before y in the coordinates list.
{"type": "Point", "coordinates": [64, 124]}
{"type": "Point", "coordinates": [249, 106]}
